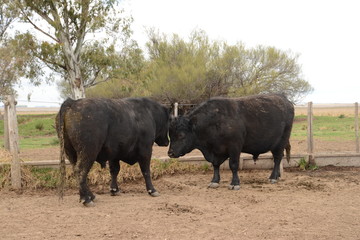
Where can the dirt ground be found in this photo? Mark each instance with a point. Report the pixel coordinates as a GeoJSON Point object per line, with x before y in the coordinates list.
{"type": "Point", "coordinates": [321, 204]}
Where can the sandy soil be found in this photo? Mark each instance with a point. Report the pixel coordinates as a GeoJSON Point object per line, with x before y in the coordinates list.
{"type": "Point", "coordinates": [322, 204]}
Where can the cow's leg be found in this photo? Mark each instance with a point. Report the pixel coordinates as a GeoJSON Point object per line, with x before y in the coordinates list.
{"type": "Point", "coordinates": [234, 166]}
{"type": "Point", "coordinates": [114, 171]}
{"type": "Point", "coordinates": [145, 170]}
{"type": "Point", "coordinates": [82, 169]}
{"type": "Point", "coordinates": [277, 155]}
{"type": "Point", "coordinates": [216, 177]}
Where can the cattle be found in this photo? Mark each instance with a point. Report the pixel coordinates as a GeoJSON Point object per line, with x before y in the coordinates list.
{"type": "Point", "coordinates": [109, 130]}
{"type": "Point", "coordinates": [222, 128]}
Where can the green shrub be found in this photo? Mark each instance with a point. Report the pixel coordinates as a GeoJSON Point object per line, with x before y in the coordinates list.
{"type": "Point", "coordinates": [304, 165]}
{"type": "Point", "coordinates": [39, 126]}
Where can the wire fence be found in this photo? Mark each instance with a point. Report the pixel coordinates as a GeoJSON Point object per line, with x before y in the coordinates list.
{"type": "Point", "coordinates": [334, 129]}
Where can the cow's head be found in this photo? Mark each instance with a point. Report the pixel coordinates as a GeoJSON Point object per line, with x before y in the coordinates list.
{"type": "Point", "coordinates": [181, 137]}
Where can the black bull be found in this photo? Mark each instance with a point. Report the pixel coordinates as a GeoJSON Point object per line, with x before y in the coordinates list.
{"type": "Point", "coordinates": [111, 130]}
{"type": "Point", "coordinates": [223, 128]}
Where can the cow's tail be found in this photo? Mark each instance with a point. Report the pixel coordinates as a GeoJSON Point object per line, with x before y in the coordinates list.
{"type": "Point", "coordinates": [287, 149]}
{"type": "Point", "coordinates": [60, 130]}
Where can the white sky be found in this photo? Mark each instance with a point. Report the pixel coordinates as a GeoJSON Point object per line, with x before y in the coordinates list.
{"type": "Point", "coordinates": [325, 33]}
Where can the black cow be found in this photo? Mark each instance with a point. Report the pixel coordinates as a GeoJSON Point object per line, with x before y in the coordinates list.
{"type": "Point", "coordinates": [111, 130]}
{"type": "Point", "coordinates": [223, 128]}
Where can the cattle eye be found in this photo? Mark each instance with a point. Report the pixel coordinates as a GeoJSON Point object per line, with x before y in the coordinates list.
{"type": "Point", "coordinates": [181, 135]}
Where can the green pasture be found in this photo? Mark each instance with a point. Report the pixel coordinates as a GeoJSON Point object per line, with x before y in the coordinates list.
{"type": "Point", "coordinates": [35, 131]}
{"type": "Point", "coordinates": [38, 131]}
{"type": "Point", "coordinates": [328, 128]}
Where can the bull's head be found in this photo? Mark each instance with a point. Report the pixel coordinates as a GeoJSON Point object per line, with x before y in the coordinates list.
{"type": "Point", "coordinates": [181, 137]}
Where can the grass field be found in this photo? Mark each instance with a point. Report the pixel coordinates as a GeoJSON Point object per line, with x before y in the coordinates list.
{"type": "Point", "coordinates": [329, 128]}
{"type": "Point", "coordinates": [35, 131]}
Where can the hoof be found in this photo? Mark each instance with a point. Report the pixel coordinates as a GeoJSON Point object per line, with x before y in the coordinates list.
{"type": "Point", "coordinates": [272, 181]}
{"type": "Point", "coordinates": [89, 204]}
{"type": "Point", "coordinates": [154, 194]}
{"type": "Point", "coordinates": [234, 187]}
{"type": "Point", "coordinates": [114, 192]}
{"type": "Point", "coordinates": [213, 185]}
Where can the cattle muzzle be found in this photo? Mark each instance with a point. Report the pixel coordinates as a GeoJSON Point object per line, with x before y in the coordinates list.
{"type": "Point", "coordinates": [172, 154]}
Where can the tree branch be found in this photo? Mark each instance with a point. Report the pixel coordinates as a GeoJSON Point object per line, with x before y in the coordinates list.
{"type": "Point", "coordinates": [34, 25]}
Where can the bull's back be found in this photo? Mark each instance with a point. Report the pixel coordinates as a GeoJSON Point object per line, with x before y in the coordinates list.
{"type": "Point", "coordinates": [257, 122]}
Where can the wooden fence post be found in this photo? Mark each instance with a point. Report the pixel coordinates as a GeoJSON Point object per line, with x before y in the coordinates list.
{"type": "Point", "coordinates": [6, 130]}
{"type": "Point", "coordinates": [176, 109]}
{"type": "Point", "coordinates": [12, 127]}
{"type": "Point", "coordinates": [357, 126]}
{"type": "Point", "coordinates": [310, 138]}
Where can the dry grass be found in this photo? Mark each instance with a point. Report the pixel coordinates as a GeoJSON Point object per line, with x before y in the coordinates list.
{"type": "Point", "coordinates": [48, 178]}
{"type": "Point", "coordinates": [327, 110]}
{"type": "Point", "coordinates": [5, 156]}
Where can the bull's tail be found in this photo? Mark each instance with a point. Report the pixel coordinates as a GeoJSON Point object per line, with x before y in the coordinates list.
{"type": "Point", "coordinates": [60, 130]}
{"type": "Point", "coordinates": [287, 149]}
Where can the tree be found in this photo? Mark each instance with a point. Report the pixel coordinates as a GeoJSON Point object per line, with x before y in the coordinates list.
{"type": "Point", "coordinates": [15, 59]}
{"type": "Point", "coordinates": [267, 70]}
{"type": "Point", "coordinates": [196, 70]}
{"type": "Point", "coordinates": [126, 79]}
{"type": "Point", "coordinates": [67, 24]}
{"type": "Point", "coordinates": [177, 69]}
{"type": "Point", "coordinates": [7, 16]}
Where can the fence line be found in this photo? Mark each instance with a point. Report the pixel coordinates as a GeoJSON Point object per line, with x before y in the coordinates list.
{"type": "Point", "coordinates": [309, 111]}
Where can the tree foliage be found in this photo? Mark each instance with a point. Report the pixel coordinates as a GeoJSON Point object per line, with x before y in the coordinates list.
{"type": "Point", "coordinates": [126, 78]}
{"type": "Point", "coordinates": [196, 70]}
{"type": "Point", "coordinates": [177, 69]}
{"type": "Point", "coordinates": [69, 49]}
{"type": "Point", "coordinates": [15, 59]}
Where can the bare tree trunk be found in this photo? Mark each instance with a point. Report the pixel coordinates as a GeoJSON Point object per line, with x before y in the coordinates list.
{"type": "Point", "coordinates": [72, 61]}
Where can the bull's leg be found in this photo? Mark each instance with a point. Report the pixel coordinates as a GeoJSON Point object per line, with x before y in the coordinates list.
{"type": "Point", "coordinates": [277, 155]}
{"type": "Point", "coordinates": [216, 177]}
{"type": "Point", "coordinates": [82, 169]}
{"type": "Point", "coordinates": [114, 171]}
{"type": "Point", "coordinates": [145, 170]}
{"type": "Point", "coordinates": [234, 166]}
